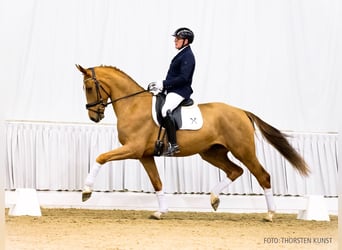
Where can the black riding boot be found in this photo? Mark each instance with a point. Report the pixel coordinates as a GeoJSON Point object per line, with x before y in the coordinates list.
{"type": "Point", "coordinates": [171, 135]}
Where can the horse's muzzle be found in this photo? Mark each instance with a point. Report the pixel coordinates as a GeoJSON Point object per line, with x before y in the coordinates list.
{"type": "Point", "coordinates": [96, 116]}
{"type": "Point", "coordinates": [94, 119]}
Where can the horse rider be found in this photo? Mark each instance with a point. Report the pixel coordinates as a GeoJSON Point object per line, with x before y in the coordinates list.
{"type": "Point", "coordinates": [177, 85]}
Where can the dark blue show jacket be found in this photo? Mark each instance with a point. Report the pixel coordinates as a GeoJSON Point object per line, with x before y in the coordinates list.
{"type": "Point", "coordinates": [179, 75]}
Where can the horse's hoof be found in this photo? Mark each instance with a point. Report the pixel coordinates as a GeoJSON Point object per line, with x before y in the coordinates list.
{"type": "Point", "coordinates": [86, 193]}
{"type": "Point", "coordinates": [269, 216]}
{"type": "Point", "coordinates": [157, 215]}
{"type": "Point", "coordinates": [215, 201]}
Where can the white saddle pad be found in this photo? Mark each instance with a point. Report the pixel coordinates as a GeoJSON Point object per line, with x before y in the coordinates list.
{"type": "Point", "coordinates": [191, 116]}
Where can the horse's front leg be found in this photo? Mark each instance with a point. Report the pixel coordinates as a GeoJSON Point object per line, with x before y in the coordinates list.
{"type": "Point", "coordinates": [152, 172]}
{"type": "Point", "coordinates": [124, 152]}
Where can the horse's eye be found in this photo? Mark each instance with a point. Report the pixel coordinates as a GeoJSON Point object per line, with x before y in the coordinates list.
{"type": "Point", "coordinates": [88, 89]}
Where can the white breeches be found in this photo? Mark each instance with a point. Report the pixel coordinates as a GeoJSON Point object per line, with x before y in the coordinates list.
{"type": "Point", "coordinates": [171, 102]}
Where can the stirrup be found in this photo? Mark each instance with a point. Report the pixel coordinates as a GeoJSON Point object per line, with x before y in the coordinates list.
{"type": "Point", "coordinates": [172, 149]}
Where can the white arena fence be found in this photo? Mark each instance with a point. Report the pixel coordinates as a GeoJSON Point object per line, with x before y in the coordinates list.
{"type": "Point", "coordinates": [57, 156]}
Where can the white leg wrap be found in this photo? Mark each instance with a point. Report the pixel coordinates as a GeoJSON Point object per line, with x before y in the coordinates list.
{"type": "Point", "coordinates": [92, 175]}
{"type": "Point", "coordinates": [221, 185]}
{"type": "Point", "coordinates": [163, 208]}
{"type": "Point", "coordinates": [270, 200]}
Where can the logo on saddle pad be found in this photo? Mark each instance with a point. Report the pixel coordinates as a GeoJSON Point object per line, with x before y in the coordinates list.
{"type": "Point", "coordinates": [187, 115]}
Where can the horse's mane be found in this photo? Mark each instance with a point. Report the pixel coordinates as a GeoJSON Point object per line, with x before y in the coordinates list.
{"type": "Point", "coordinates": [117, 70]}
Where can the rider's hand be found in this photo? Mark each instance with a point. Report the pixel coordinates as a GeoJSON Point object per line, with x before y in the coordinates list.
{"type": "Point", "coordinates": [155, 87]}
{"type": "Point", "coordinates": [159, 84]}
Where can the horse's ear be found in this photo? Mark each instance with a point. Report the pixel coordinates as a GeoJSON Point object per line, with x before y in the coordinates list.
{"type": "Point", "coordinates": [80, 68]}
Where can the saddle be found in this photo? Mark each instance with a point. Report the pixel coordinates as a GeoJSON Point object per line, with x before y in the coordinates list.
{"type": "Point", "coordinates": [186, 116]}
{"type": "Point", "coordinates": [176, 113]}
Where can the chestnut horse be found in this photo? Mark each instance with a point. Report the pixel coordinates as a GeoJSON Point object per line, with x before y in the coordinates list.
{"type": "Point", "coordinates": [225, 129]}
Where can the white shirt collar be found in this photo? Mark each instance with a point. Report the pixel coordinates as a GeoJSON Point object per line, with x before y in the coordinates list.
{"type": "Point", "coordinates": [182, 48]}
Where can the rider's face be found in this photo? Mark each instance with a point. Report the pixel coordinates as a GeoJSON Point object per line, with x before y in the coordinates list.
{"type": "Point", "coordinates": [179, 42]}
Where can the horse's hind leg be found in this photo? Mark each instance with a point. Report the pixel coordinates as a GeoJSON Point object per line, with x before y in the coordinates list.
{"type": "Point", "coordinates": [217, 156]}
{"type": "Point", "coordinates": [264, 180]}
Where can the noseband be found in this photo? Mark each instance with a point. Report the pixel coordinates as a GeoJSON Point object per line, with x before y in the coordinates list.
{"type": "Point", "coordinates": [98, 86]}
{"type": "Point", "coordinates": [100, 100]}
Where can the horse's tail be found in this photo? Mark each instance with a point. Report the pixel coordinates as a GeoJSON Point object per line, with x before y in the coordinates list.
{"type": "Point", "coordinates": [278, 140]}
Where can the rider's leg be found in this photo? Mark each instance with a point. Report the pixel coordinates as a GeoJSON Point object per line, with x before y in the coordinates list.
{"type": "Point", "coordinates": [171, 134]}
{"type": "Point", "coordinates": [171, 102]}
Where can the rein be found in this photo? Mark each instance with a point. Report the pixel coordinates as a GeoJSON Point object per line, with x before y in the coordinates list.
{"type": "Point", "coordinates": [98, 93]}
{"type": "Point", "coordinates": [127, 96]}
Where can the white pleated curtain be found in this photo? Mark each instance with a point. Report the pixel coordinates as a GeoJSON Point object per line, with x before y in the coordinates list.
{"type": "Point", "coordinates": [48, 156]}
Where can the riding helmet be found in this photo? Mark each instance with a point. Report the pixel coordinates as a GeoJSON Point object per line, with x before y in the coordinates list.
{"type": "Point", "coordinates": [184, 33]}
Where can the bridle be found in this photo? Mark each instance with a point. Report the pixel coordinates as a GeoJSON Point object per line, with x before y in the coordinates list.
{"type": "Point", "coordinates": [100, 99]}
